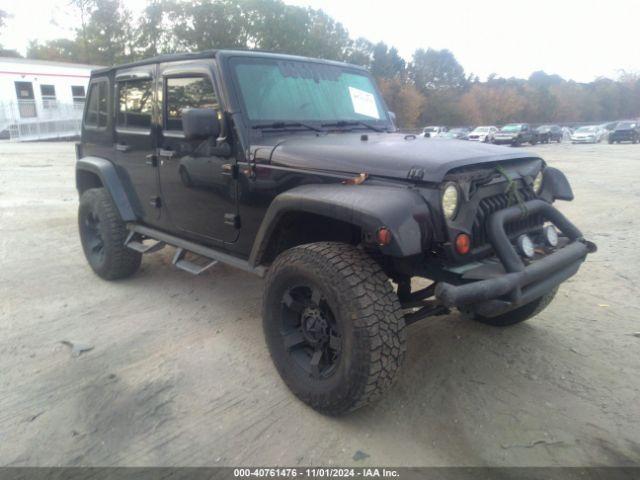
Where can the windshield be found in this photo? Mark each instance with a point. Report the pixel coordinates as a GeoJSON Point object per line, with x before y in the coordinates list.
{"type": "Point", "coordinates": [481, 129]}
{"type": "Point", "coordinates": [284, 90]}
{"type": "Point", "coordinates": [430, 129]}
{"type": "Point", "coordinates": [586, 129]}
{"type": "Point", "coordinates": [514, 127]}
{"type": "Point", "coordinates": [626, 125]}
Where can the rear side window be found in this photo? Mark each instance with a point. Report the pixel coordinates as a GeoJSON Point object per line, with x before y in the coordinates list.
{"type": "Point", "coordinates": [98, 105]}
{"type": "Point", "coordinates": [182, 93]}
{"type": "Point", "coordinates": [135, 103]}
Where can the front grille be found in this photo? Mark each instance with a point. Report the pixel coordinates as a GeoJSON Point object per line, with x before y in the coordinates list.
{"type": "Point", "coordinates": [490, 205]}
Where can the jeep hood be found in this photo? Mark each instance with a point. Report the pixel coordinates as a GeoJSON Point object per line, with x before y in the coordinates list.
{"type": "Point", "coordinates": [390, 155]}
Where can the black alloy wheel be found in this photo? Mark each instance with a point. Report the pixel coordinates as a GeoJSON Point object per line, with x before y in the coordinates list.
{"type": "Point", "coordinates": [309, 331]}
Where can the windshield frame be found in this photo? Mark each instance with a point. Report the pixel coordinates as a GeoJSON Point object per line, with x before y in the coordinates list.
{"type": "Point", "coordinates": [385, 122]}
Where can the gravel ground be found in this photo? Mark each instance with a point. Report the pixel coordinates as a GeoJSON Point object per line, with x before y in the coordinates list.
{"type": "Point", "coordinates": [178, 373]}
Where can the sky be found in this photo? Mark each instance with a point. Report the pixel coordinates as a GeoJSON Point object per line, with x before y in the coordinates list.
{"type": "Point", "coordinates": [578, 40]}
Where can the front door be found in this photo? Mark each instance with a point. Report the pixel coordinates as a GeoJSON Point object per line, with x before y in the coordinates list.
{"type": "Point", "coordinates": [26, 100]}
{"type": "Point", "coordinates": [196, 182]}
{"type": "Point", "coordinates": [135, 140]}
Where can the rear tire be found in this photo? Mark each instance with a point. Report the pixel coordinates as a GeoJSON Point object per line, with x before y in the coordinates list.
{"type": "Point", "coordinates": [518, 315]}
{"type": "Point", "coordinates": [102, 234]}
{"type": "Point", "coordinates": [333, 325]}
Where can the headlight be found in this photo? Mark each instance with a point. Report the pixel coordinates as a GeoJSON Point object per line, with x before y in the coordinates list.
{"type": "Point", "coordinates": [537, 183]}
{"type": "Point", "coordinates": [450, 201]}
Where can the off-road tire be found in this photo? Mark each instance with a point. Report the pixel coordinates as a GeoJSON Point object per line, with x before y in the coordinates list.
{"type": "Point", "coordinates": [366, 311]}
{"type": "Point", "coordinates": [116, 260]}
{"type": "Point", "coordinates": [520, 314]}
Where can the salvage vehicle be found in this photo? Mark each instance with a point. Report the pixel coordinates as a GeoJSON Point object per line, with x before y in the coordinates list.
{"type": "Point", "coordinates": [296, 172]}
{"type": "Point", "coordinates": [458, 133]}
{"type": "Point", "coordinates": [549, 133]}
{"type": "Point", "coordinates": [625, 131]}
{"type": "Point", "coordinates": [587, 134]}
{"type": "Point", "coordinates": [515, 134]}
{"type": "Point", "coordinates": [434, 131]}
{"type": "Point", "coordinates": [483, 134]}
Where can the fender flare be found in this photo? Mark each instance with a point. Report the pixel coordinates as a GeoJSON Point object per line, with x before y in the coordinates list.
{"type": "Point", "coordinates": [401, 210]}
{"type": "Point", "coordinates": [557, 184]}
{"type": "Point", "coordinates": [108, 175]}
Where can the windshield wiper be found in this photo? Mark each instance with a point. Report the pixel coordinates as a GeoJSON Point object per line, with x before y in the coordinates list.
{"type": "Point", "coordinates": [281, 125]}
{"type": "Point", "coordinates": [347, 123]}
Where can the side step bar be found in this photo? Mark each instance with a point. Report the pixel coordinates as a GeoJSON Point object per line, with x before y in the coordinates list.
{"type": "Point", "coordinates": [134, 242]}
{"type": "Point", "coordinates": [140, 232]}
{"type": "Point", "coordinates": [182, 263]}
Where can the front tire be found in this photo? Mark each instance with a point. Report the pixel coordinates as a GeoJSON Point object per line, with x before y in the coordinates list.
{"type": "Point", "coordinates": [518, 315]}
{"type": "Point", "coordinates": [102, 234]}
{"type": "Point", "coordinates": [333, 325]}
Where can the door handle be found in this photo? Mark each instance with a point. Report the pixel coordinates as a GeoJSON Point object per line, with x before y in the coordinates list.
{"type": "Point", "coordinates": [166, 153]}
{"type": "Point", "coordinates": [121, 147]}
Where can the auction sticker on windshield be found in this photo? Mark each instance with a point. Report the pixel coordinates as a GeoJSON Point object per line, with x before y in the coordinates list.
{"type": "Point", "coordinates": [364, 103]}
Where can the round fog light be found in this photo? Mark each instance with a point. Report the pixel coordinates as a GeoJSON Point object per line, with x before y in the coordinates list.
{"type": "Point", "coordinates": [551, 235]}
{"type": "Point", "coordinates": [525, 246]}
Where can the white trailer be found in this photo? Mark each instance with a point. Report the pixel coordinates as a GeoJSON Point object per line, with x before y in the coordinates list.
{"type": "Point", "coordinates": [41, 99]}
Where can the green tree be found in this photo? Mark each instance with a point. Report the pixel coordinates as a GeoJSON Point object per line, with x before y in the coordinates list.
{"type": "Point", "coordinates": [436, 69]}
{"type": "Point", "coordinates": [109, 35]}
{"type": "Point", "coordinates": [386, 62]}
{"type": "Point", "coordinates": [60, 50]}
{"type": "Point", "coordinates": [154, 35]}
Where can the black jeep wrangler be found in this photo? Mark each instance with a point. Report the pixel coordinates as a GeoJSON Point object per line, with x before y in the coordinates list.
{"type": "Point", "coordinates": [292, 169]}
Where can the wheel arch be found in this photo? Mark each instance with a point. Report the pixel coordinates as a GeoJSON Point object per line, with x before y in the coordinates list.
{"type": "Point", "coordinates": [96, 172]}
{"type": "Point", "coordinates": [349, 214]}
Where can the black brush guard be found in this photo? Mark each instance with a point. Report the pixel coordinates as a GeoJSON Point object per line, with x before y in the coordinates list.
{"type": "Point", "coordinates": [520, 284]}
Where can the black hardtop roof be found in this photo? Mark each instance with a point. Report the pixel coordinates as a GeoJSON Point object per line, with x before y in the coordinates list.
{"type": "Point", "coordinates": [176, 57]}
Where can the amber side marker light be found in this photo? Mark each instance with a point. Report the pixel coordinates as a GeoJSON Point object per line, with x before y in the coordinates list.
{"type": "Point", "coordinates": [463, 244]}
{"type": "Point", "coordinates": [356, 180]}
{"type": "Point", "coordinates": [383, 236]}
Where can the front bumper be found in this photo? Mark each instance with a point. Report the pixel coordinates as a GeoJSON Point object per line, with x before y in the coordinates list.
{"type": "Point", "coordinates": [504, 140]}
{"type": "Point", "coordinates": [518, 284]}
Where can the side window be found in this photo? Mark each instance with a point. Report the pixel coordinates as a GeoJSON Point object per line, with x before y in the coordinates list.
{"type": "Point", "coordinates": [48, 93]}
{"type": "Point", "coordinates": [182, 93]}
{"type": "Point", "coordinates": [97, 108]}
{"type": "Point", "coordinates": [135, 101]}
{"type": "Point", "coordinates": [78, 94]}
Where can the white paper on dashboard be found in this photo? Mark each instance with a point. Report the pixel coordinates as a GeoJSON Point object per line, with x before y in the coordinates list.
{"type": "Point", "coordinates": [364, 103]}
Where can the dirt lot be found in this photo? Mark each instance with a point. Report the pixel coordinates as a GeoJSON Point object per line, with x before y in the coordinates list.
{"type": "Point", "coordinates": [179, 373]}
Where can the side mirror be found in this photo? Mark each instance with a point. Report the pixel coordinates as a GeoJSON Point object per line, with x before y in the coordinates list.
{"type": "Point", "coordinates": [200, 123]}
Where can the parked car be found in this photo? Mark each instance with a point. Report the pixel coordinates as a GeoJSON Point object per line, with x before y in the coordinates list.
{"type": "Point", "coordinates": [587, 134]}
{"type": "Point", "coordinates": [626, 131]}
{"type": "Point", "coordinates": [549, 133]}
{"type": "Point", "coordinates": [327, 240]}
{"type": "Point", "coordinates": [458, 133]}
{"type": "Point", "coordinates": [483, 134]}
{"type": "Point", "coordinates": [434, 131]}
{"type": "Point", "coordinates": [515, 134]}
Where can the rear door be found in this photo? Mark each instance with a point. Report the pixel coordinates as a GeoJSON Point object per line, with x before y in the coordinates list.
{"type": "Point", "coordinates": [135, 138]}
{"type": "Point", "coordinates": [195, 178]}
